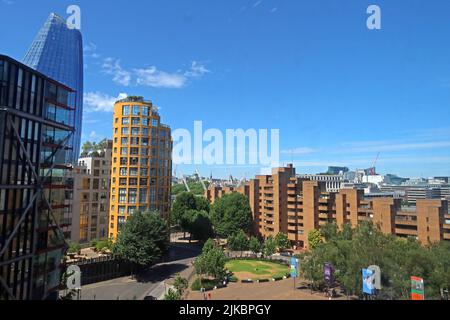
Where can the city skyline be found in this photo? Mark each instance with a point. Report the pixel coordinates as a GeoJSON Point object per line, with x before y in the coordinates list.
{"type": "Point", "coordinates": [339, 93]}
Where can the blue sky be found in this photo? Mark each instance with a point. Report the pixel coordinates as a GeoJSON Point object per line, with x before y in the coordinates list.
{"type": "Point", "coordinates": [339, 93]}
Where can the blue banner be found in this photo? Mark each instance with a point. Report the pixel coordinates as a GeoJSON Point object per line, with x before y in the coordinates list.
{"type": "Point", "coordinates": [294, 267]}
{"type": "Point", "coordinates": [368, 281]}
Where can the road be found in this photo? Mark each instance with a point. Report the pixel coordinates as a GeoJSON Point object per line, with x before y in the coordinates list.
{"type": "Point", "coordinates": [153, 282]}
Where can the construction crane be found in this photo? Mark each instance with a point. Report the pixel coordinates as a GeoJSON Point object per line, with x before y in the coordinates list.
{"type": "Point", "coordinates": [374, 166]}
{"type": "Point", "coordinates": [201, 180]}
{"type": "Point", "coordinates": [183, 178]}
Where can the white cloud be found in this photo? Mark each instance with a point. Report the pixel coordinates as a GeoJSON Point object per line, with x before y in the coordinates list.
{"type": "Point", "coordinates": [152, 76]}
{"type": "Point", "coordinates": [90, 50]}
{"type": "Point", "coordinates": [257, 3]}
{"type": "Point", "coordinates": [112, 67]}
{"type": "Point", "coordinates": [97, 101]}
{"type": "Point", "coordinates": [196, 70]}
{"type": "Point", "coordinates": [93, 135]}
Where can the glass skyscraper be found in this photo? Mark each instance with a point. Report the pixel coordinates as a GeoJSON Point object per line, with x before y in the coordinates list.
{"type": "Point", "coordinates": [57, 52]}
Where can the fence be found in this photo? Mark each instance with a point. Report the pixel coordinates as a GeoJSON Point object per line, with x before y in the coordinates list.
{"type": "Point", "coordinates": [103, 269]}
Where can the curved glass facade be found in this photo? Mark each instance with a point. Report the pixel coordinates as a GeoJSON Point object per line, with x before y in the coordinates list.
{"type": "Point", "coordinates": [57, 52]}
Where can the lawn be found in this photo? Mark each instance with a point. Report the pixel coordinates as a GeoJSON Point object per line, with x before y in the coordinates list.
{"type": "Point", "coordinates": [255, 270]}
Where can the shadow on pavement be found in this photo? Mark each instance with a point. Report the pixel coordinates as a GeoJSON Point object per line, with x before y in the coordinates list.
{"type": "Point", "coordinates": [160, 273]}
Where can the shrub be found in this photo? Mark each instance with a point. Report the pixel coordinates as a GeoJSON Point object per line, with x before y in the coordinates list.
{"type": "Point", "coordinates": [208, 285]}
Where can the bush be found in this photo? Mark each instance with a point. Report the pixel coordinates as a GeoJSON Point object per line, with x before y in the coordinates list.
{"type": "Point", "coordinates": [278, 278]}
{"type": "Point", "coordinates": [233, 279]}
{"type": "Point", "coordinates": [74, 248]}
{"type": "Point", "coordinates": [208, 285]}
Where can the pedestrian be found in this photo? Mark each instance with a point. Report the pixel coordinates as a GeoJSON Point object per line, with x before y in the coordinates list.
{"type": "Point", "coordinates": [209, 296]}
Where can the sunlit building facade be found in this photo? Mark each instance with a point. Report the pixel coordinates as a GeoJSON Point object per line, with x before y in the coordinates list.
{"type": "Point", "coordinates": [36, 127]}
{"type": "Point", "coordinates": [141, 162]}
{"type": "Point", "coordinates": [57, 52]}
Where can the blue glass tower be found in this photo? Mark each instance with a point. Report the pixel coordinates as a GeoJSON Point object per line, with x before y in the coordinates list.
{"type": "Point", "coordinates": [57, 52]}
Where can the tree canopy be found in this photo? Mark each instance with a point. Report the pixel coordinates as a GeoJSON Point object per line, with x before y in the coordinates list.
{"type": "Point", "coordinates": [398, 258]}
{"type": "Point", "coordinates": [144, 239]}
{"type": "Point", "coordinates": [230, 214]}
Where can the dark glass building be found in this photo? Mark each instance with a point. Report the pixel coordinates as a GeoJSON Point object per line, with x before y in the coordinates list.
{"type": "Point", "coordinates": [57, 52]}
{"type": "Point", "coordinates": [36, 127]}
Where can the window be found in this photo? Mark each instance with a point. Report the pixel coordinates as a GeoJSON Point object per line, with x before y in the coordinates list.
{"type": "Point", "coordinates": [135, 121]}
{"type": "Point", "coordinates": [134, 141]}
{"type": "Point", "coordinates": [124, 141]}
{"type": "Point", "coordinates": [131, 210]}
{"type": "Point", "coordinates": [145, 111]}
{"type": "Point", "coordinates": [125, 131]}
{"type": "Point", "coordinates": [143, 195]}
{"type": "Point", "coordinates": [134, 151]}
{"type": "Point", "coordinates": [144, 151]}
{"type": "Point", "coordinates": [125, 121]}
{"type": "Point", "coordinates": [144, 171]}
{"type": "Point", "coordinates": [145, 131]}
{"type": "Point", "coordinates": [136, 110]}
{"type": "Point", "coordinates": [122, 195]}
{"type": "Point", "coordinates": [133, 181]}
{"type": "Point", "coordinates": [126, 110]}
{"type": "Point", "coordinates": [144, 142]}
{"type": "Point", "coordinates": [135, 131]}
{"type": "Point", "coordinates": [123, 171]}
{"type": "Point", "coordinates": [145, 121]}
{"type": "Point", "coordinates": [123, 161]}
{"type": "Point", "coordinates": [155, 123]}
{"type": "Point", "coordinates": [144, 162]}
{"type": "Point", "coordinates": [121, 210]}
{"type": "Point", "coordinates": [123, 181]}
{"type": "Point", "coordinates": [132, 195]}
{"type": "Point", "coordinates": [133, 172]}
{"type": "Point", "coordinates": [123, 151]}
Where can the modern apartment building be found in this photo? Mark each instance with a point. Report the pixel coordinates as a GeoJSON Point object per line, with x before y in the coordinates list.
{"type": "Point", "coordinates": [36, 126]}
{"type": "Point", "coordinates": [57, 52]}
{"type": "Point", "coordinates": [141, 162]}
{"type": "Point", "coordinates": [91, 196]}
{"type": "Point", "coordinates": [295, 205]}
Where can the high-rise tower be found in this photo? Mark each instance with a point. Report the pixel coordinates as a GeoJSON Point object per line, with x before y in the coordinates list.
{"type": "Point", "coordinates": [141, 162]}
{"type": "Point", "coordinates": [57, 52]}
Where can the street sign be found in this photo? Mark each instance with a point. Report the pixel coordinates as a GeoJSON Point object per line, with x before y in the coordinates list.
{"type": "Point", "coordinates": [417, 289]}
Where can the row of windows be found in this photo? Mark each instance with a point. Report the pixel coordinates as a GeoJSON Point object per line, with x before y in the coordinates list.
{"type": "Point", "coordinates": [164, 151]}
{"type": "Point", "coordinates": [136, 131]}
{"type": "Point", "coordinates": [135, 121]}
{"type": "Point", "coordinates": [135, 111]}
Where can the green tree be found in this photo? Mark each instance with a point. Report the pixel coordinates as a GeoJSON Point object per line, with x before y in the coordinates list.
{"type": "Point", "coordinates": [314, 239]}
{"type": "Point", "coordinates": [255, 245]}
{"type": "Point", "coordinates": [144, 239]}
{"type": "Point", "coordinates": [211, 262]}
{"type": "Point", "coordinates": [198, 224]}
{"type": "Point", "coordinates": [230, 214]}
{"type": "Point", "coordinates": [270, 247]}
{"type": "Point", "coordinates": [282, 241]}
{"type": "Point", "coordinates": [74, 247]}
{"type": "Point", "coordinates": [184, 202]}
{"type": "Point", "coordinates": [329, 231]}
{"type": "Point", "coordinates": [172, 295]}
{"type": "Point", "coordinates": [181, 284]}
{"type": "Point", "coordinates": [238, 242]}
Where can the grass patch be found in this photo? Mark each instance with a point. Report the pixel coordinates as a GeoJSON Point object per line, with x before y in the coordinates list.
{"type": "Point", "coordinates": [256, 269]}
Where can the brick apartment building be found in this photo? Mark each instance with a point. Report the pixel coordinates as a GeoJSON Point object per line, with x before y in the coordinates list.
{"type": "Point", "coordinates": [291, 204]}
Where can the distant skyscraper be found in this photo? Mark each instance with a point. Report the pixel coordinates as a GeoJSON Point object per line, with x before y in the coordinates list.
{"type": "Point", "coordinates": [57, 52]}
